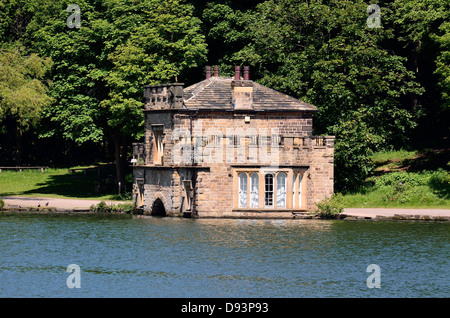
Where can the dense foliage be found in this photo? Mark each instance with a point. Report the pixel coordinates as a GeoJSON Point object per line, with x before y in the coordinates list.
{"type": "Point", "coordinates": [379, 74]}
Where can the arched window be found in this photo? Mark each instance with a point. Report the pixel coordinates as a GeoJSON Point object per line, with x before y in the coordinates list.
{"type": "Point", "coordinates": [299, 190]}
{"type": "Point", "coordinates": [254, 190]}
{"type": "Point", "coordinates": [281, 190]}
{"type": "Point", "coordinates": [268, 190]}
{"type": "Point", "coordinates": [158, 145]}
{"type": "Point", "coordinates": [242, 190]}
{"type": "Point", "coordinates": [294, 189]}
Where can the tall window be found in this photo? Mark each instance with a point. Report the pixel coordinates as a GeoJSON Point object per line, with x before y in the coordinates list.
{"type": "Point", "coordinates": [281, 190]}
{"type": "Point", "coordinates": [268, 190]}
{"type": "Point", "coordinates": [242, 190]}
{"type": "Point", "coordinates": [299, 190]}
{"type": "Point", "coordinates": [294, 190]}
{"type": "Point", "coordinates": [158, 146]}
{"type": "Point", "coordinates": [254, 190]}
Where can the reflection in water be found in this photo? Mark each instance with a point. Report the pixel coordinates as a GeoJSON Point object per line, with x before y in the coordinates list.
{"type": "Point", "coordinates": [175, 257]}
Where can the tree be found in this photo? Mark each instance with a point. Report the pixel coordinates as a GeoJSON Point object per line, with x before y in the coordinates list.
{"type": "Point", "coordinates": [101, 67]}
{"type": "Point", "coordinates": [418, 27]}
{"type": "Point", "coordinates": [23, 91]}
{"type": "Point", "coordinates": [443, 70]}
{"type": "Point", "coordinates": [325, 53]}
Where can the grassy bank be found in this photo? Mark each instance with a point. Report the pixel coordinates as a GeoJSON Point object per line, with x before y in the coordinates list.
{"type": "Point", "coordinates": [405, 179]}
{"type": "Point", "coordinates": [60, 183]}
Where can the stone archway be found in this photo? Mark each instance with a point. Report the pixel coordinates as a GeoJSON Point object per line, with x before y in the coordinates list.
{"type": "Point", "coordinates": [158, 208]}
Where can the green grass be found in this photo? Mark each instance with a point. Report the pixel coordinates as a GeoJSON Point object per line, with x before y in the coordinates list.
{"type": "Point", "coordinates": [405, 179]}
{"type": "Point", "coordinates": [424, 178]}
{"type": "Point", "coordinates": [56, 183]}
{"type": "Point", "coordinates": [424, 198]}
{"type": "Point", "coordinates": [393, 155]}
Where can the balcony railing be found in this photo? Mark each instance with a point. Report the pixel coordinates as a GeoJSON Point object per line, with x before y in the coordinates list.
{"type": "Point", "coordinates": [211, 145]}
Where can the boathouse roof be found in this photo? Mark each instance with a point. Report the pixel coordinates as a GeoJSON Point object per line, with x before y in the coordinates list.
{"type": "Point", "coordinates": [217, 93]}
{"type": "Point", "coordinates": [221, 93]}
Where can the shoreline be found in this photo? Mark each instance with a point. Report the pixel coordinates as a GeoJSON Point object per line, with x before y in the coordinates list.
{"type": "Point", "coordinates": [39, 205]}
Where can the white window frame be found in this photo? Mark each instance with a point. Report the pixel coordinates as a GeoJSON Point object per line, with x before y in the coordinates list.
{"type": "Point", "coordinates": [243, 190]}
{"type": "Point", "coordinates": [254, 185]}
{"type": "Point", "coordinates": [269, 193]}
{"type": "Point", "coordinates": [281, 193]}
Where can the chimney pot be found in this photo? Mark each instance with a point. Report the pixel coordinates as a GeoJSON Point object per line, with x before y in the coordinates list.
{"type": "Point", "coordinates": [237, 73]}
{"type": "Point", "coordinates": [216, 71]}
{"type": "Point", "coordinates": [208, 72]}
{"type": "Point", "coordinates": [246, 73]}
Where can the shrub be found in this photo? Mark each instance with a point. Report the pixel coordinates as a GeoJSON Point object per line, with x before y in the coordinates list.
{"type": "Point", "coordinates": [439, 182]}
{"type": "Point", "coordinates": [409, 187]}
{"type": "Point", "coordinates": [125, 207]}
{"type": "Point", "coordinates": [102, 207]}
{"type": "Point", "coordinates": [398, 178]}
{"type": "Point", "coordinates": [2, 204]}
{"type": "Point", "coordinates": [329, 207]}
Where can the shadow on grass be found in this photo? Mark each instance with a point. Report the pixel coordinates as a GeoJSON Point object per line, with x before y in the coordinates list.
{"type": "Point", "coordinates": [68, 185]}
{"type": "Point", "coordinates": [426, 160]}
{"type": "Point", "coordinates": [82, 184]}
{"type": "Point", "coordinates": [440, 183]}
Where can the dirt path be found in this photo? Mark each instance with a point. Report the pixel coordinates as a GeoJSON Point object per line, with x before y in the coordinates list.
{"type": "Point", "coordinates": [59, 204]}
{"type": "Point", "coordinates": [81, 204]}
{"type": "Point", "coordinates": [389, 213]}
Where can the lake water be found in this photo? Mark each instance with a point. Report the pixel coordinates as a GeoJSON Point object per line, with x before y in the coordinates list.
{"type": "Point", "coordinates": [175, 257]}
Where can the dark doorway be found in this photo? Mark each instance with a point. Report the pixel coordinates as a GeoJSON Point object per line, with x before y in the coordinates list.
{"type": "Point", "coordinates": [158, 208]}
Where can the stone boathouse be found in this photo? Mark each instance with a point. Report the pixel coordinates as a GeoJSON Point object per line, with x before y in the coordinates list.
{"type": "Point", "coordinates": [229, 147]}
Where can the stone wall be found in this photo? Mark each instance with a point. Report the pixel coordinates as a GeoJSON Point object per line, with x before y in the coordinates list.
{"type": "Point", "coordinates": [296, 147]}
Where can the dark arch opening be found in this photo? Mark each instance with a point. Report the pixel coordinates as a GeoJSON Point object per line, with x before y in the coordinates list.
{"type": "Point", "coordinates": [158, 208]}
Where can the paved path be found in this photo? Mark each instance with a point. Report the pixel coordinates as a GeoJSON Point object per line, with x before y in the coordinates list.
{"type": "Point", "coordinates": [60, 204]}
{"type": "Point", "coordinates": [374, 212]}
{"type": "Point", "coordinates": [81, 204]}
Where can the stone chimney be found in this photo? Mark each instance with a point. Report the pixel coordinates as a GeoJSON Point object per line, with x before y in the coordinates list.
{"type": "Point", "coordinates": [237, 73]}
{"type": "Point", "coordinates": [208, 72]}
{"type": "Point", "coordinates": [163, 96]}
{"type": "Point", "coordinates": [242, 94]}
{"type": "Point", "coordinates": [216, 71]}
{"type": "Point", "coordinates": [246, 73]}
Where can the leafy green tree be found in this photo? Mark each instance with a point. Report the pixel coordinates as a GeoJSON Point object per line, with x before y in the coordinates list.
{"type": "Point", "coordinates": [23, 91]}
{"type": "Point", "coordinates": [357, 141]}
{"type": "Point", "coordinates": [419, 28]}
{"type": "Point", "coordinates": [443, 67]}
{"type": "Point", "coordinates": [14, 18]}
{"type": "Point", "coordinates": [325, 53]}
{"type": "Point", "coordinates": [101, 67]}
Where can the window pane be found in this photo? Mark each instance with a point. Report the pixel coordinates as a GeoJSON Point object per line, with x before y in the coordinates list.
{"type": "Point", "coordinates": [281, 190]}
{"type": "Point", "coordinates": [268, 191]}
{"type": "Point", "coordinates": [242, 190]}
{"type": "Point", "coordinates": [254, 190]}
{"type": "Point", "coordinates": [299, 190]}
{"type": "Point", "coordinates": [294, 190]}
{"type": "Point", "coordinates": [158, 146]}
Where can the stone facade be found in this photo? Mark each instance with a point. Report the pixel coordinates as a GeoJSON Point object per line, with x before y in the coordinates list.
{"type": "Point", "coordinates": [229, 148]}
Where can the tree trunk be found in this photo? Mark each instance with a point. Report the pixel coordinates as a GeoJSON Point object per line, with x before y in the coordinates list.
{"type": "Point", "coordinates": [18, 152]}
{"type": "Point", "coordinates": [119, 158]}
{"type": "Point", "coordinates": [415, 97]}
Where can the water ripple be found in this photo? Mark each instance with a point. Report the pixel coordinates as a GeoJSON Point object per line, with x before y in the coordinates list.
{"type": "Point", "coordinates": [166, 257]}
